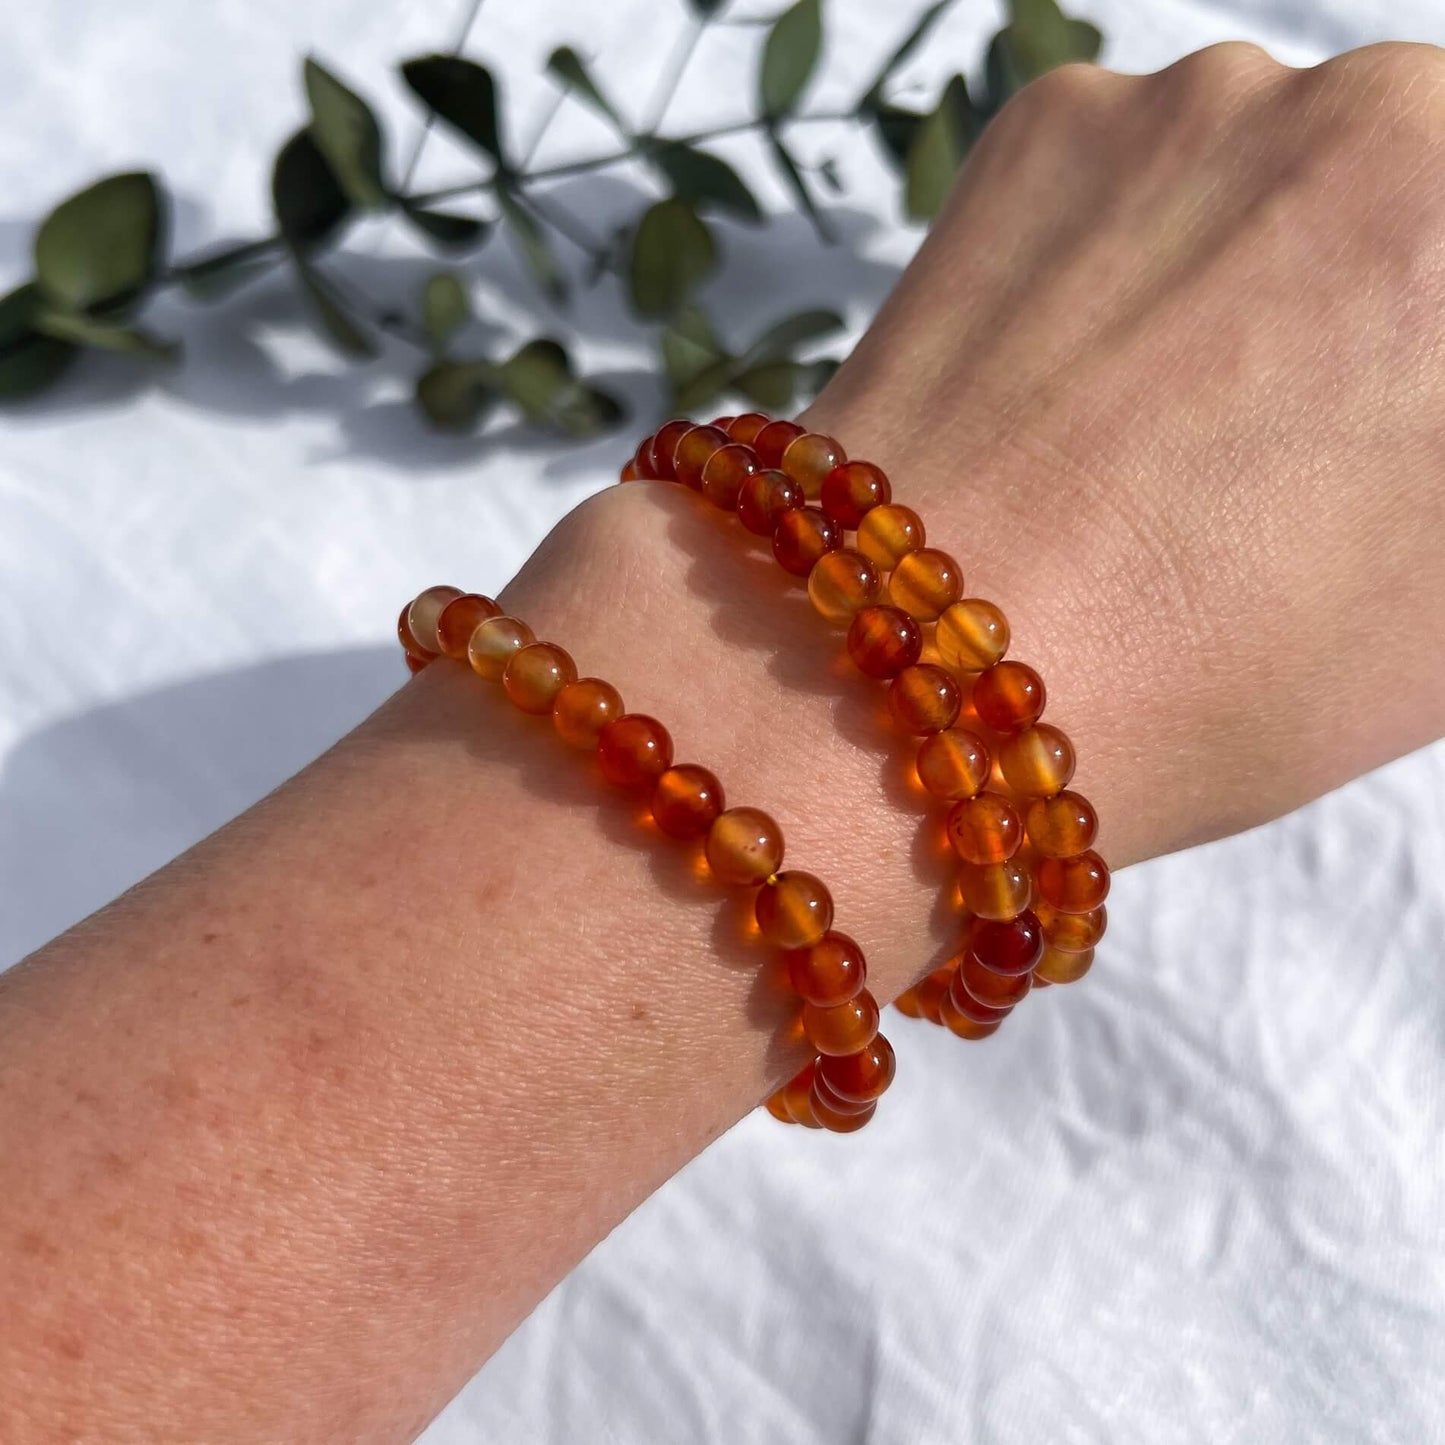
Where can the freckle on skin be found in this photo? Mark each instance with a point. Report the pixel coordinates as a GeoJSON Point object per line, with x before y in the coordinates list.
{"type": "Point", "coordinates": [241, 1000]}
{"type": "Point", "coordinates": [114, 1163]}
{"type": "Point", "coordinates": [209, 937]}
{"type": "Point", "coordinates": [72, 1347]}
{"type": "Point", "coordinates": [639, 1012]}
{"type": "Point", "coordinates": [34, 1243]}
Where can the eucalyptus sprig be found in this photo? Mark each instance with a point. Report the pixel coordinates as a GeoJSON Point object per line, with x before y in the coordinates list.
{"type": "Point", "coordinates": [101, 255]}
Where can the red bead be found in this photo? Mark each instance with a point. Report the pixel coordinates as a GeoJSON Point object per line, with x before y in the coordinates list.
{"type": "Point", "coordinates": [970, 1007]}
{"type": "Point", "coordinates": [1061, 826]}
{"type": "Point", "coordinates": [961, 1024]}
{"type": "Point", "coordinates": [764, 497]}
{"type": "Point", "coordinates": [642, 459]}
{"type": "Point", "coordinates": [984, 828]}
{"type": "Point", "coordinates": [694, 451]}
{"type": "Point", "coordinates": [809, 458]}
{"type": "Point", "coordinates": [1011, 946]}
{"type": "Point", "coordinates": [1009, 696]}
{"type": "Point", "coordinates": [794, 909]}
{"type": "Point", "coordinates": [722, 423]}
{"type": "Point", "coordinates": [993, 990]}
{"type": "Point", "coordinates": [414, 664]}
{"type": "Point", "coordinates": [836, 1122]}
{"type": "Point", "coordinates": [924, 698]}
{"type": "Point", "coordinates": [852, 490]}
{"type": "Point", "coordinates": [724, 473]}
{"type": "Point", "coordinates": [882, 641]}
{"type": "Point", "coordinates": [664, 446]}
{"type": "Point", "coordinates": [802, 536]}
{"type": "Point", "coordinates": [634, 751]}
{"type": "Point", "coordinates": [830, 972]}
{"type": "Point", "coordinates": [1074, 885]}
{"type": "Point", "coordinates": [685, 801]}
{"type": "Point", "coordinates": [459, 619]}
{"type": "Point", "coordinates": [861, 1077]}
{"type": "Point", "coordinates": [771, 441]}
{"type": "Point", "coordinates": [745, 428]}
{"type": "Point", "coordinates": [629, 472]}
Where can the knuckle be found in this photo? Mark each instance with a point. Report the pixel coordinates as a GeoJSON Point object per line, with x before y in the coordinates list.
{"type": "Point", "coordinates": [1225, 70]}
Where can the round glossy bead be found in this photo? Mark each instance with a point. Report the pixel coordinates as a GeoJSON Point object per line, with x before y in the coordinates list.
{"type": "Point", "coordinates": [925, 582]}
{"type": "Point", "coordinates": [642, 459]}
{"type": "Point", "coordinates": [860, 1077]}
{"type": "Point", "coordinates": [970, 1007]}
{"type": "Point", "coordinates": [424, 614]}
{"type": "Point", "coordinates": [802, 537]}
{"type": "Point", "coordinates": [931, 991]}
{"type": "Point", "coordinates": [745, 428]}
{"type": "Point", "coordinates": [772, 440]}
{"type": "Point", "coordinates": [796, 1100]}
{"type": "Point", "coordinates": [583, 708]}
{"type": "Point", "coordinates": [830, 972]}
{"type": "Point", "coordinates": [1009, 696]}
{"type": "Point", "coordinates": [1061, 826]}
{"type": "Point", "coordinates": [841, 584]}
{"type": "Point", "coordinates": [993, 990]}
{"type": "Point", "coordinates": [409, 644]}
{"type": "Point", "coordinates": [664, 447]}
{"type": "Point", "coordinates": [1072, 932]}
{"type": "Point", "coordinates": [629, 472]}
{"type": "Point", "coordinates": [985, 828]}
{"type": "Point", "coordinates": [693, 452]}
{"type": "Point", "coordinates": [1074, 885]}
{"type": "Point", "coordinates": [953, 764]}
{"type": "Point", "coordinates": [414, 663]}
{"type": "Point", "coordinates": [828, 1102]}
{"type": "Point", "coordinates": [794, 909]}
{"type": "Point", "coordinates": [907, 1004]}
{"type": "Point", "coordinates": [534, 676]}
{"type": "Point", "coordinates": [686, 800]}
{"type": "Point", "coordinates": [1056, 966]}
{"type": "Point", "coordinates": [1037, 762]}
{"type": "Point", "coordinates": [777, 1106]}
{"type": "Point", "coordinates": [763, 499]}
{"type": "Point", "coordinates": [722, 423]}
{"type": "Point", "coordinates": [972, 635]}
{"type": "Point", "coordinates": [1007, 945]}
{"type": "Point", "coordinates": [634, 751]}
{"type": "Point", "coordinates": [835, 1119]}
{"type": "Point", "coordinates": [882, 641]}
{"type": "Point", "coordinates": [845, 1028]}
{"type": "Point", "coordinates": [459, 619]}
{"type": "Point", "coordinates": [959, 1023]}
{"type": "Point", "coordinates": [924, 698]}
{"type": "Point", "coordinates": [889, 533]}
{"type": "Point", "coordinates": [809, 458]}
{"type": "Point", "coordinates": [744, 845]}
{"type": "Point", "coordinates": [493, 644]}
{"type": "Point", "coordinates": [996, 890]}
{"type": "Point", "coordinates": [852, 490]}
{"type": "Point", "coordinates": [725, 472]}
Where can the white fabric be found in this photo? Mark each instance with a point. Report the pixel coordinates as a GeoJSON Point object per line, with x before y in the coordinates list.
{"type": "Point", "coordinates": [1198, 1198]}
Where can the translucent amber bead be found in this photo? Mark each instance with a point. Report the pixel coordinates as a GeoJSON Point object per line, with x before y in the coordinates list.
{"type": "Point", "coordinates": [970, 1007]}
{"type": "Point", "coordinates": [924, 698]}
{"type": "Point", "coordinates": [889, 533]}
{"type": "Point", "coordinates": [985, 828]}
{"type": "Point", "coordinates": [534, 675]}
{"type": "Point", "coordinates": [809, 458]}
{"type": "Point", "coordinates": [725, 472]}
{"type": "Point", "coordinates": [664, 447]}
{"type": "Point", "coordinates": [830, 972]}
{"type": "Point", "coordinates": [744, 845]}
{"type": "Point", "coordinates": [1007, 945]}
{"type": "Point", "coordinates": [957, 1022]}
{"type": "Point", "coordinates": [931, 991]}
{"type": "Point", "coordinates": [1072, 932]}
{"type": "Point", "coordinates": [953, 764]}
{"type": "Point", "coordinates": [424, 614]}
{"type": "Point", "coordinates": [796, 1098]}
{"type": "Point", "coordinates": [847, 1119]}
{"type": "Point", "coordinates": [1009, 696]}
{"type": "Point", "coordinates": [722, 423]}
{"type": "Point", "coordinates": [686, 800]}
{"type": "Point", "coordinates": [851, 490]}
{"type": "Point", "coordinates": [634, 751]}
{"type": "Point", "coordinates": [841, 584]}
{"type": "Point", "coordinates": [412, 648]}
{"type": "Point", "coordinates": [493, 642]}
{"type": "Point", "coordinates": [763, 499]}
{"type": "Point", "coordinates": [996, 890]}
{"type": "Point", "coordinates": [992, 990]}
{"type": "Point", "coordinates": [1061, 826]}
{"type": "Point", "coordinates": [861, 1077]}
{"type": "Point", "coordinates": [925, 582]}
{"type": "Point", "coordinates": [801, 537]}
{"type": "Point", "coordinates": [694, 451]}
{"type": "Point", "coordinates": [583, 708]}
{"type": "Point", "coordinates": [772, 440]}
{"type": "Point", "coordinates": [972, 635]}
{"type": "Point", "coordinates": [1037, 762]}
{"type": "Point", "coordinates": [907, 1004]}
{"type": "Point", "coordinates": [1074, 885]}
{"type": "Point", "coordinates": [745, 428]}
{"type": "Point", "coordinates": [777, 1106]}
{"type": "Point", "coordinates": [794, 909]}
{"type": "Point", "coordinates": [629, 472]}
{"type": "Point", "coordinates": [845, 1028]}
{"type": "Point", "coordinates": [642, 460]}
{"type": "Point", "coordinates": [459, 619]}
{"type": "Point", "coordinates": [1056, 966]}
{"type": "Point", "coordinates": [882, 641]}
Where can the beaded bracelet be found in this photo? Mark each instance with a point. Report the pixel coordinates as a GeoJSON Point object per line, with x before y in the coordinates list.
{"type": "Point", "coordinates": [1024, 838]}
{"type": "Point", "coordinates": [853, 1065]}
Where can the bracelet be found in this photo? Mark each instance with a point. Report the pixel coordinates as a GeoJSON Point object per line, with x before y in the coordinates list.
{"type": "Point", "coordinates": [1024, 839]}
{"type": "Point", "coordinates": [853, 1064]}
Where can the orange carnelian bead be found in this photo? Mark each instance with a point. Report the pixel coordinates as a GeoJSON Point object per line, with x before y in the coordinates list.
{"type": "Point", "coordinates": [852, 490]}
{"type": "Point", "coordinates": [1061, 826]}
{"type": "Point", "coordinates": [694, 451]}
{"type": "Point", "coordinates": [686, 800]}
{"type": "Point", "coordinates": [1056, 966]}
{"type": "Point", "coordinates": [835, 1120]}
{"type": "Point", "coordinates": [907, 1004]}
{"type": "Point", "coordinates": [583, 708]}
{"type": "Point", "coordinates": [845, 1028]}
{"type": "Point", "coordinates": [764, 497]}
{"type": "Point", "coordinates": [1009, 696]}
{"type": "Point", "coordinates": [722, 423]}
{"type": "Point", "coordinates": [536, 674]}
{"type": "Point", "coordinates": [925, 582]}
{"type": "Point", "coordinates": [777, 1106]}
{"type": "Point", "coordinates": [957, 1022]}
{"type": "Point", "coordinates": [802, 536]}
{"type": "Point", "coordinates": [634, 750]}
{"type": "Point", "coordinates": [970, 1008]}
{"type": "Point", "coordinates": [772, 440]}
{"type": "Point", "coordinates": [953, 764]}
{"type": "Point", "coordinates": [664, 447]}
{"type": "Point", "coordinates": [746, 427]}
{"type": "Point", "coordinates": [493, 644]}
{"type": "Point", "coordinates": [830, 972]}
{"type": "Point", "coordinates": [830, 1102]}
{"type": "Point", "coordinates": [889, 533]}
{"type": "Point", "coordinates": [809, 458]}
{"type": "Point", "coordinates": [1007, 945]}
{"type": "Point", "coordinates": [424, 614]}
{"type": "Point", "coordinates": [744, 845]}
{"type": "Point", "coordinates": [992, 990]}
{"type": "Point", "coordinates": [1072, 932]}
{"type": "Point", "coordinates": [1037, 762]}
{"type": "Point", "coordinates": [725, 472]}
{"type": "Point", "coordinates": [642, 459]}
{"type": "Point", "coordinates": [972, 635]}
{"type": "Point", "coordinates": [459, 619]}
{"type": "Point", "coordinates": [984, 828]}
{"type": "Point", "coordinates": [924, 698]}
{"type": "Point", "coordinates": [931, 991]}
{"type": "Point", "coordinates": [841, 584]}
{"type": "Point", "coordinates": [629, 472]}
{"type": "Point", "coordinates": [794, 909]}
{"type": "Point", "coordinates": [409, 644]}
{"type": "Point", "coordinates": [1074, 885]}
{"type": "Point", "coordinates": [996, 890]}
{"type": "Point", "coordinates": [414, 664]}
{"type": "Point", "coordinates": [882, 641]}
{"type": "Point", "coordinates": [859, 1078]}
{"type": "Point", "coordinates": [796, 1094]}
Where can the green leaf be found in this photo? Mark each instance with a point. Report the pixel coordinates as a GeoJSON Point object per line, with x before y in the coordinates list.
{"type": "Point", "coordinates": [690, 347]}
{"type": "Point", "coordinates": [567, 66]}
{"type": "Point", "coordinates": [787, 335]}
{"type": "Point", "coordinates": [704, 179]}
{"type": "Point", "coordinates": [445, 308]}
{"type": "Point", "coordinates": [18, 311]}
{"type": "Point", "coordinates": [539, 379]}
{"type": "Point", "coordinates": [346, 133]}
{"type": "Point", "coordinates": [463, 94]}
{"type": "Point", "coordinates": [445, 227]}
{"type": "Point", "coordinates": [343, 329]}
{"type": "Point", "coordinates": [896, 129]}
{"type": "Point", "coordinates": [104, 335]}
{"type": "Point", "coordinates": [533, 245]}
{"type": "Point", "coordinates": [938, 148]}
{"type": "Point", "coordinates": [456, 395]}
{"type": "Point", "coordinates": [101, 248]}
{"type": "Point", "coordinates": [29, 362]}
{"type": "Point", "coordinates": [793, 175]}
{"type": "Point", "coordinates": [790, 55]}
{"type": "Point", "coordinates": [672, 252]}
{"type": "Point", "coordinates": [770, 385]}
{"type": "Point", "coordinates": [873, 96]}
{"type": "Point", "coordinates": [1038, 38]}
{"type": "Point", "coordinates": [305, 194]}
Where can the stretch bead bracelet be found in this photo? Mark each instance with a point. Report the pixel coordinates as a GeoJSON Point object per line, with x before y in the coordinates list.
{"type": "Point", "coordinates": [1029, 877]}
{"type": "Point", "coordinates": [853, 1064]}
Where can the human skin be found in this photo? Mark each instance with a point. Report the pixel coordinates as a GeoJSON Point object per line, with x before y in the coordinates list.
{"type": "Point", "coordinates": [296, 1132]}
